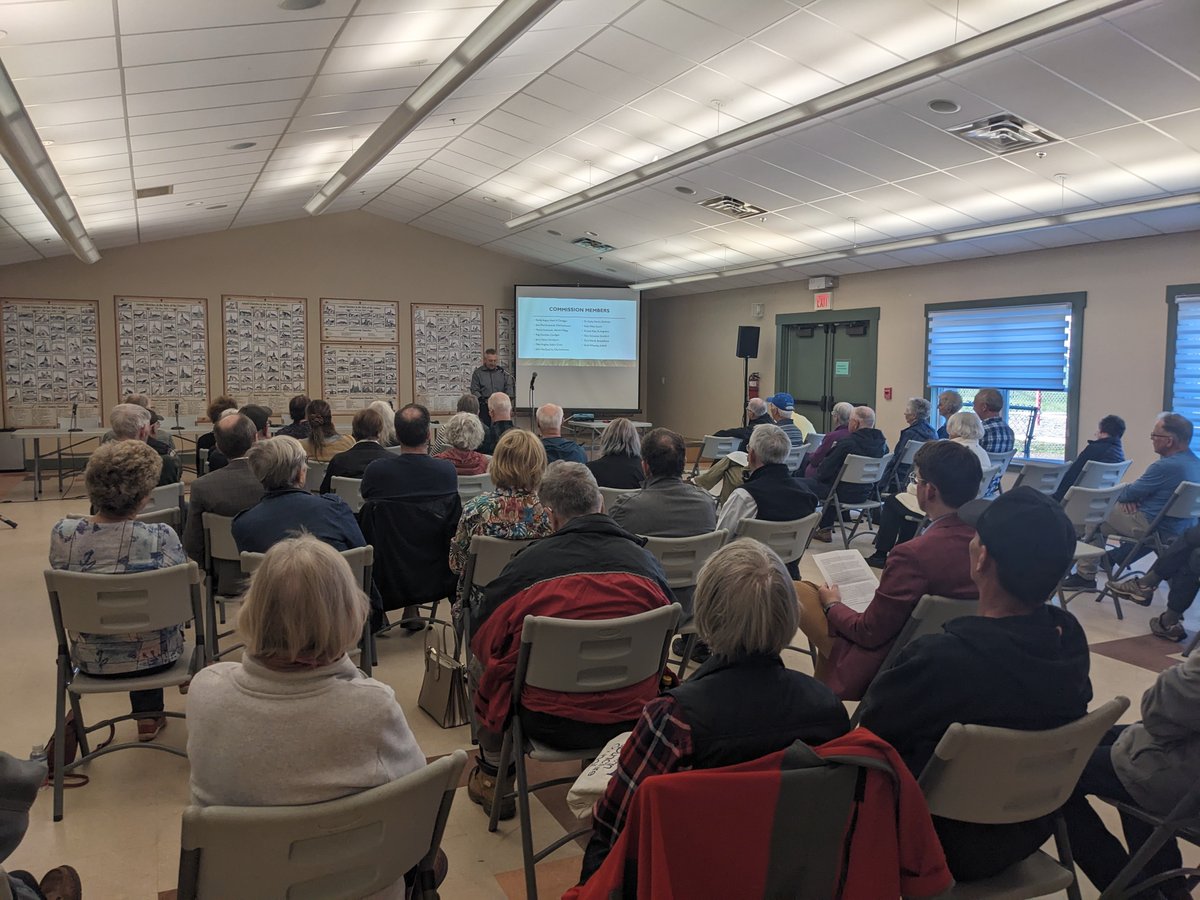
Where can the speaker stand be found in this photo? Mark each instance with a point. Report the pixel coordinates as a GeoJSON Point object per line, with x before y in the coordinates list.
{"type": "Point", "coordinates": [745, 391]}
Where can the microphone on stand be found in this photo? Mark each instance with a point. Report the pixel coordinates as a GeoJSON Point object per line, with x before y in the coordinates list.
{"type": "Point", "coordinates": [532, 409]}
{"type": "Point", "coordinates": [532, 379]}
{"type": "Point", "coordinates": [74, 420]}
{"type": "Point", "coordinates": [177, 426]}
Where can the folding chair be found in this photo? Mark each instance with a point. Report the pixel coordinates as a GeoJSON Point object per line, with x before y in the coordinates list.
{"type": "Point", "coordinates": [473, 485]}
{"type": "Point", "coordinates": [219, 546]}
{"type": "Point", "coordinates": [904, 465]}
{"type": "Point", "coordinates": [990, 474]}
{"type": "Point", "coordinates": [349, 489]}
{"type": "Point", "coordinates": [857, 470]}
{"type": "Point", "coordinates": [486, 559]}
{"type": "Point", "coordinates": [1183, 821]}
{"type": "Point", "coordinates": [1087, 508]}
{"type": "Point", "coordinates": [1042, 477]}
{"type": "Point", "coordinates": [1102, 475]}
{"type": "Point", "coordinates": [169, 498]}
{"type": "Point", "coordinates": [83, 602]}
{"type": "Point", "coordinates": [162, 517]}
{"type": "Point", "coordinates": [360, 560]}
{"type": "Point", "coordinates": [315, 476]}
{"type": "Point", "coordinates": [1184, 504]}
{"type": "Point", "coordinates": [814, 439]}
{"type": "Point", "coordinates": [1002, 460]}
{"type": "Point", "coordinates": [612, 495]}
{"type": "Point", "coordinates": [999, 776]}
{"type": "Point", "coordinates": [795, 458]}
{"type": "Point", "coordinates": [354, 846]}
{"type": "Point", "coordinates": [714, 449]}
{"type": "Point", "coordinates": [681, 560]}
{"type": "Point", "coordinates": [575, 656]}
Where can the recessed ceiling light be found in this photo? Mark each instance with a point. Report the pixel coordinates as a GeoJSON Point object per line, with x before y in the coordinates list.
{"type": "Point", "coordinates": [684, 189]}
{"type": "Point", "coordinates": [194, 203]}
{"type": "Point", "coordinates": [217, 206]}
{"type": "Point", "coordinates": [489, 199]}
{"type": "Point", "coordinates": [553, 232]}
{"type": "Point", "coordinates": [946, 107]}
{"type": "Point", "coordinates": [591, 234]}
{"type": "Point", "coordinates": [298, 5]}
{"type": "Point", "coordinates": [47, 143]}
{"type": "Point", "coordinates": [243, 145]}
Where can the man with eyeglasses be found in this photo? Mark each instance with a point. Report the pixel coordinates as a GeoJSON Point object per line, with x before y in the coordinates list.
{"type": "Point", "coordinates": [1145, 498]}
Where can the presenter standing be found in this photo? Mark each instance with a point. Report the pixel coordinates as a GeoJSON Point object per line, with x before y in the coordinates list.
{"type": "Point", "coordinates": [488, 379]}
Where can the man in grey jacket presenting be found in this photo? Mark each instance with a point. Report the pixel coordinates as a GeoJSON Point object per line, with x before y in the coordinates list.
{"type": "Point", "coordinates": [488, 379]}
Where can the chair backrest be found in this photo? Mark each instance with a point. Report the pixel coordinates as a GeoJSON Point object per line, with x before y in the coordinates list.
{"type": "Point", "coordinates": [1184, 503]}
{"type": "Point", "coordinates": [788, 539]}
{"type": "Point", "coordinates": [910, 451]}
{"type": "Point", "coordinates": [349, 489]}
{"type": "Point", "coordinates": [990, 474]}
{"type": "Point", "coordinates": [1088, 507]}
{"type": "Point", "coordinates": [612, 495]}
{"type": "Point", "coordinates": [120, 604]}
{"type": "Point", "coordinates": [929, 617]}
{"type": "Point", "coordinates": [172, 516]}
{"type": "Point", "coordinates": [316, 474]}
{"type": "Point", "coordinates": [473, 485]}
{"type": "Point", "coordinates": [1102, 474]}
{"type": "Point", "coordinates": [218, 537]}
{"type": "Point", "coordinates": [166, 496]}
{"type": "Point", "coordinates": [395, 448]}
{"type": "Point", "coordinates": [863, 469]}
{"type": "Point", "coordinates": [359, 558]}
{"type": "Point", "coordinates": [681, 558]}
{"type": "Point", "coordinates": [795, 457]}
{"type": "Point", "coordinates": [489, 556]}
{"type": "Point", "coordinates": [1002, 460]}
{"type": "Point", "coordinates": [814, 439]}
{"type": "Point", "coordinates": [718, 447]}
{"type": "Point", "coordinates": [1041, 476]}
{"type": "Point", "coordinates": [998, 776]}
{"type": "Point", "coordinates": [351, 847]}
{"type": "Point", "coordinates": [577, 656]}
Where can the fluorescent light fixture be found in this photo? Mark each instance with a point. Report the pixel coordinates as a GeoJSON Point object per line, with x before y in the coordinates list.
{"type": "Point", "coordinates": [508, 21]}
{"type": "Point", "coordinates": [1018, 226]}
{"type": "Point", "coordinates": [22, 149]}
{"type": "Point", "coordinates": [1006, 36]}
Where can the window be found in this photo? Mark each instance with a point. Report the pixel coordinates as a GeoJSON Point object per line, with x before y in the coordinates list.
{"type": "Point", "coordinates": [1182, 394]}
{"type": "Point", "coordinates": [1028, 349]}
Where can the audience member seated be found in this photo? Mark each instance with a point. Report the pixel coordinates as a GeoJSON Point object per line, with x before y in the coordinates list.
{"type": "Point", "coordinates": [387, 418]}
{"type": "Point", "coordinates": [323, 442]}
{"type": "Point", "coordinates": [225, 492]}
{"type": "Point", "coordinates": [1179, 566]}
{"type": "Point", "coordinates": [119, 478]}
{"type": "Point", "coordinates": [864, 439]}
{"type": "Point", "coordinates": [841, 414]}
{"type": "Point", "coordinates": [499, 408]}
{"type": "Point", "coordinates": [780, 407]}
{"type": "Point", "coordinates": [298, 427]}
{"type": "Point", "coordinates": [1139, 503]}
{"type": "Point", "coordinates": [949, 402]}
{"type": "Point", "coordinates": [549, 422]}
{"type": "Point", "coordinates": [512, 510]}
{"type": "Point", "coordinates": [997, 436]}
{"type": "Point", "coordinates": [367, 427]}
{"type": "Point", "coordinates": [131, 422]}
{"type": "Point", "coordinates": [769, 492]}
{"type": "Point", "coordinates": [466, 403]}
{"type": "Point", "coordinates": [851, 646]}
{"type": "Point", "coordinates": [259, 415]}
{"type": "Point", "coordinates": [1104, 447]}
{"type": "Point", "coordinates": [1150, 765]}
{"type": "Point", "coordinates": [20, 780]}
{"type": "Point", "coordinates": [287, 508]}
{"type": "Point", "coordinates": [412, 472]}
{"type": "Point", "coordinates": [217, 459]}
{"type": "Point", "coordinates": [730, 471]}
{"type": "Point", "coordinates": [741, 704]}
{"type": "Point", "coordinates": [756, 414]}
{"type": "Point", "coordinates": [666, 506]}
{"type": "Point", "coordinates": [590, 568]}
{"type": "Point", "coordinates": [160, 441]}
{"type": "Point", "coordinates": [916, 414]}
{"type": "Point", "coordinates": [463, 434]}
{"type": "Point", "coordinates": [1021, 663]}
{"type": "Point", "coordinates": [208, 441]}
{"type": "Point", "coordinates": [620, 462]}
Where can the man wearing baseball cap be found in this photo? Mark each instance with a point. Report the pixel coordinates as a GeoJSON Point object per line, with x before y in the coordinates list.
{"type": "Point", "coordinates": [779, 408]}
{"type": "Point", "coordinates": [1020, 663]}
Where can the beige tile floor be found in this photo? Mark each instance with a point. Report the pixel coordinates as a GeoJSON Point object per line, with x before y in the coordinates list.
{"type": "Point", "coordinates": [122, 830]}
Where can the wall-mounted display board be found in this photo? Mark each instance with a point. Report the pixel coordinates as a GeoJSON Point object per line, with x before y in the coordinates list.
{"type": "Point", "coordinates": [369, 321]}
{"type": "Point", "coordinates": [49, 361]}
{"type": "Point", "coordinates": [265, 342]}
{"type": "Point", "coordinates": [162, 351]}
{"type": "Point", "coordinates": [506, 338]}
{"type": "Point", "coordinates": [447, 346]}
{"type": "Point", "coordinates": [352, 375]}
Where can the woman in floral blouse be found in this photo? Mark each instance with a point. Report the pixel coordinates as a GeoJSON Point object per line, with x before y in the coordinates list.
{"type": "Point", "coordinates": [512, 511]}
{"type": "Point", "coordinates": [119, 478]}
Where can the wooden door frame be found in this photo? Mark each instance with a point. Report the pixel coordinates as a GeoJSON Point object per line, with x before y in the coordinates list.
{"type": "Point", "coordinates": [822, 317]}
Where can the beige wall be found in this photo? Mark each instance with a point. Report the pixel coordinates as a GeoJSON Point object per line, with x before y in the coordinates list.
{"type": "Point", "coordinates": [353, 254]}
{"type": "Point", "coordinates": [692, 337]}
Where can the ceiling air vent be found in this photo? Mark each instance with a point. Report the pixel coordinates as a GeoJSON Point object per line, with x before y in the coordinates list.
{"type": "Point", "coordinates": [160, 191]}
{"type": "Point", "coordinates": [1004, 133]}
{"type": "Point", "coordinates": [589, 244]}
{"type": "Point", "coordinates": [732, 207]}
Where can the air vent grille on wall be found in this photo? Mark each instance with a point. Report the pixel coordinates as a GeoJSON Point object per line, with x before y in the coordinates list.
{"type": "Point", "coordinates": [160, 191]}
{"type": "Point", "coordinates": [598, 246]}
{"type": "Point", "coordinates": [1004, 133]}
{"type": "Point", "coordinates": [732, 207]}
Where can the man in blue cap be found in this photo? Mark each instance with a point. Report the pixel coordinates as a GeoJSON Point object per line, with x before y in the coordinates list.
{"type": "Point", "coordinates": [780, 407]}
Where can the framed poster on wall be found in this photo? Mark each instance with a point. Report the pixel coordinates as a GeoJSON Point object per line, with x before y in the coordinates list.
{"type": "Point", "coordinates": [162, 351]}
{"type": "Point", "coordinates": [265, 341]}
{"type": "Point", "coordinates": [447, 346]}
{"type": "Point", "coordinates": [369, 321]}
{"type": "Point", "coordinates": [352, 375]}
{"type": "Point", "coordinates": [506, 338]}
{"type": "Point", "coordinates": [50, 361]}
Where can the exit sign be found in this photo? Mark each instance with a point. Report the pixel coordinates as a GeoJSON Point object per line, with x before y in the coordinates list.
{"type": "Point", "coordinates": [823, 300]}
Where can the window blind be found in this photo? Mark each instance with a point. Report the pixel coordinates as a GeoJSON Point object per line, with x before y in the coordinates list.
{"type": "Point", "coordinates": [1014, 348]}
{"type": "Point", "coordinates": [1185, 388]}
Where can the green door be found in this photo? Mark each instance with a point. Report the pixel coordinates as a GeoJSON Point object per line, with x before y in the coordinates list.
{"type": "Point", "coordinates": [825, 358]}
{"type": "Point", "coordinates": [807, 363]}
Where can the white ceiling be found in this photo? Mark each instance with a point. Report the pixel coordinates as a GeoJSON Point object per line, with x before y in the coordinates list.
{"type": "Point", "coordinates": [142, 93]}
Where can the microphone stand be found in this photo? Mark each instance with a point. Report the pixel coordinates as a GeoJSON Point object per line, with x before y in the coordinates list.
{"type": "Point", "coordinates": [532, 408]}
{"type": "Point", "coordinates": [74, 422]}
{"type": "Point", "coordinates": [177, 426]}
{"type": "Point", "coordinates": [7, 521]}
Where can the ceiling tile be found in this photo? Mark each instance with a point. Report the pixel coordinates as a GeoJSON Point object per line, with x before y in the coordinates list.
{"type": "Point", "coordinates": [1169, 28]}
{"type": "Point", "coordinates": [203, 72]}
{"type": "Point", "coordinates": [213, 43]}
{"type": "Point", "coordinates": [60, 57]}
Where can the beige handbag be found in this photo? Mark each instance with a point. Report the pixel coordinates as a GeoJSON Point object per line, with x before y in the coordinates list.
{"type": "Point", "coordinates": [444, 685]}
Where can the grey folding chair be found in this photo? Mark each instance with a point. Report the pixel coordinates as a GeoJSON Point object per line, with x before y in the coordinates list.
{"type": "Point", "coordinates": [814, 439]}
{"type": "Point", "coordinates": [681, 560]}
{"type": "Point", "coordinates": [1183, 821]}
{"type": "Point", "coordinates": [1087, 508]}
{"type": "Point", "coordinates": [612, 495]}
{"type": "Point", "coordinates": [316, 475]}
{"type": "Point", "coordinates": [795, 457]}
{"type": "Point", "coordinates": [713, 449]}
{"type": "Point", "coordinates": [83, 602]}
{"type": "Point", "coordinates": [998, 776]}
{"type": "Point", "coordinates": [486, 559]}
{"type": "Point", "coordinates": [1184, 504]}
{"type": "Point", "coordinates": [857, 470]}
{"type": "Point", "coordinates": [575, 656]}
{"type": "Point", "coordinates": [904, 465]}
{"type": "Point", "coordinates": [354, 846]}
{"type": "Point", "coordinates": [1042, 477]}
{"type": "Point", "coordinates": [990, 474]}
{"type": "Point", "coordinates": [219, 546]}
{"type": "Point", "coordinates": [1101, 474]}
{"type": "Point", "coordinates": [167, 498]}
{"type": "Point", "coordinates": [170, 517]}
{"type": "Point", "coordinates": [788, 539]}
{"type": "Point", "coordinates": [360, 560]}
{"type": "Point", "coordinates": [349, 489]}
{"type": "Point", "coordinates": [1002, 460]}
{"type": "Point", "coordinates": [473, 485]}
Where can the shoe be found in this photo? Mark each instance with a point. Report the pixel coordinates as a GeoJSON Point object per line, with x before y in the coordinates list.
{"type": "Point", "coordinates": [481, 788]}
{"type": "Point", "coordinates": [61, 883]}
{"type": "Point", "coordinates": [149, 729]}
{"type": "Point", "coordinates": [700, 652]}
{"type": "Point", "coordinates": [1174, 632]}
{"type": "Point", "coordinates": [877, 561]}
{"type": "Point", "coordinates": [183, 688]}
{"type": "Point", "coordinates": [1079, 582]}
{"type": "Point", "coordinates": [824, 535]}
{"type": "Point", "coordinates": [1131, 589]}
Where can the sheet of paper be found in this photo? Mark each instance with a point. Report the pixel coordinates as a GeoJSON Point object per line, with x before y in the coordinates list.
{"type": "Point", "coordinates": [848, 570]}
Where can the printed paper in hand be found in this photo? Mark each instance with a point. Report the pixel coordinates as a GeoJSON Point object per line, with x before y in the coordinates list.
{"type": "Point", "coordinates": [848, 570]}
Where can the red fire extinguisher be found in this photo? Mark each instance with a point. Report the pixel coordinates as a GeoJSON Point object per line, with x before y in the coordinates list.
{"type": "Point", "coordinates": [752, 385]}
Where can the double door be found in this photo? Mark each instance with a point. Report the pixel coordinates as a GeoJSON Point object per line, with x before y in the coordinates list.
{"type": "Point", "coordinates": [827, 359]}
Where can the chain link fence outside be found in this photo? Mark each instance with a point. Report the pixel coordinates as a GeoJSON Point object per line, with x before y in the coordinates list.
{"type": "Point", "coordinates": [1038, 420]}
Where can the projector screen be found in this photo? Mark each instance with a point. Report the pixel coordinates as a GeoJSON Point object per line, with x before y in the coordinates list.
{"type": "Point", "coordinates": [583, 343]}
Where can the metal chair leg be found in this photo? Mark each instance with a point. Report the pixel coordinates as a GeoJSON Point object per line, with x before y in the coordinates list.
{"type": "Point", "coordinates": [523, 812]}
{"type": "Point", "coordinates": [501, 778]}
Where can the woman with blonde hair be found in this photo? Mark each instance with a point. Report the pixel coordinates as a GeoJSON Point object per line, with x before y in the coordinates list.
{"type": "Point", "coordinates": [387, 437]}
{"type": "Point", "coordinates": [464, 433]}
{"type": "Point", "coordinates": [323, 441]}
{"type": "Point", "coordinates": [620, 461]}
